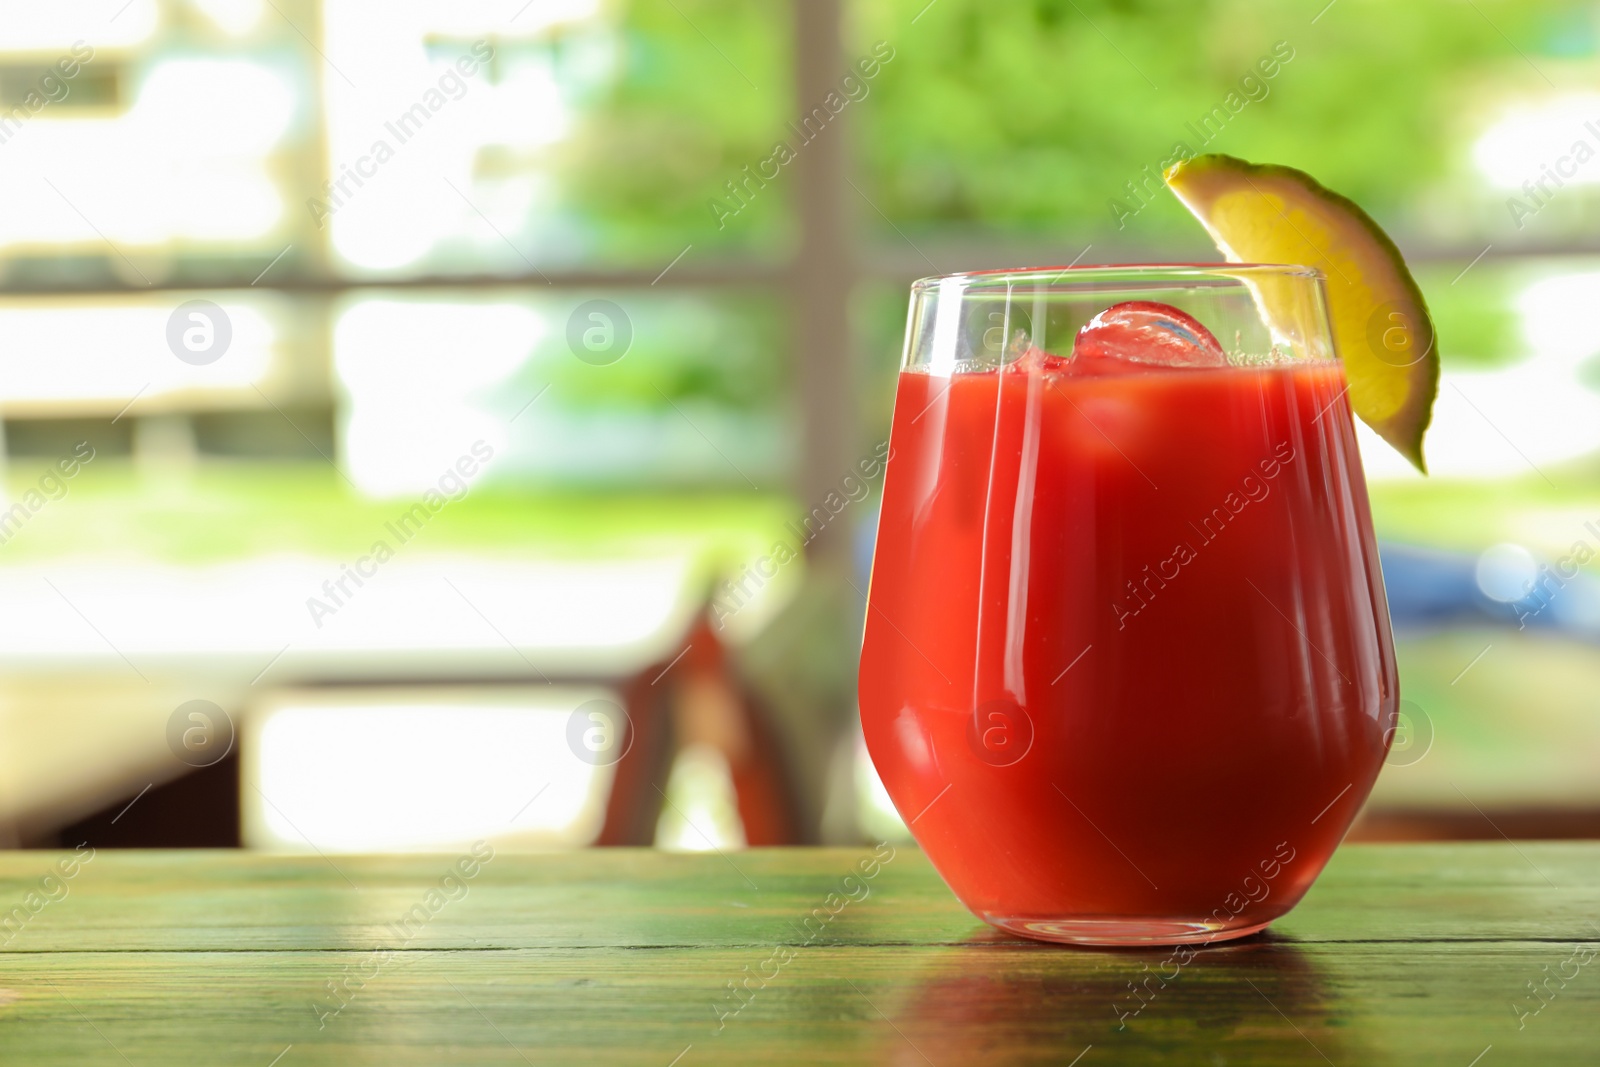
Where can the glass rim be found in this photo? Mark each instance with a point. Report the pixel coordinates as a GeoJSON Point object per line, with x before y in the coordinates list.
{"type": "Point", "coordinates": [1175, 273]}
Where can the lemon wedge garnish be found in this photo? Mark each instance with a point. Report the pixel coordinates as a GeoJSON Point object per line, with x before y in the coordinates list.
{"type": "Point", "coordinates": [1381, 329]}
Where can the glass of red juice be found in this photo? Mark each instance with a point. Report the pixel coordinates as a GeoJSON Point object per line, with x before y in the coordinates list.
{"type": "Point", "coordinates": [1127, 671]}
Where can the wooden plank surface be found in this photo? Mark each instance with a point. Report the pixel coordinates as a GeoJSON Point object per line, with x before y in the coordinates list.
{"type": "Point", "coordinates": [1400, 954]}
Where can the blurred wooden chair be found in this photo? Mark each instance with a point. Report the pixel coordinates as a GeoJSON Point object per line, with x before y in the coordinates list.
{"type": "Point", "coordinates": [697, 698]}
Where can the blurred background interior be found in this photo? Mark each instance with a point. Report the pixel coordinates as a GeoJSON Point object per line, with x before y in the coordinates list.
{"type": "Point", "coordinates": [656, 509]}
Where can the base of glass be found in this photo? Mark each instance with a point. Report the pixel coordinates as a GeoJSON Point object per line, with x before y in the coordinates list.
{"type": "Point", "coordinates": [1123, 932]}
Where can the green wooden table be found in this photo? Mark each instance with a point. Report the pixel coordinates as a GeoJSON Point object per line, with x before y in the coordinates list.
{"type": "Point", "coordinates": [1400, 954]}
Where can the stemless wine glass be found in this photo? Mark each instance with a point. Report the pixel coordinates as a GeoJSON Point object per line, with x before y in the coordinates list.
{"type": "Point", "coordinates": [1127, 671]}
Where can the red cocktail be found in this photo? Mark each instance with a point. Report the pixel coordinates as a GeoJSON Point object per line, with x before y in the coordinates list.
{"type": "Point", "coordinates": [1127, 669]}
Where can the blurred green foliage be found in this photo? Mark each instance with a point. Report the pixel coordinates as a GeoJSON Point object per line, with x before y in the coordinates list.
{"type": "Point", "coordinates": [700, 88]}
{"type": "Point", "coordinates": [1021, 123]}
{"type": "Point", "coordinates": [1026, 118]}
{"type": "Point", "coordinates": [1476, 324]}
{"type": "Point", "coordinates": [231, 511]}
{"type": "Point", "coordinates": [1017, 124]}
{"type": "Point", "coordinates": [720, 348]}
{"type": "Point", "coordinates": [1072, 98]}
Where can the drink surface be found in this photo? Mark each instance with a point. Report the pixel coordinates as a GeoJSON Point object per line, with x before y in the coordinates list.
{"type": "Point", "coordinates": [1127, 660]}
